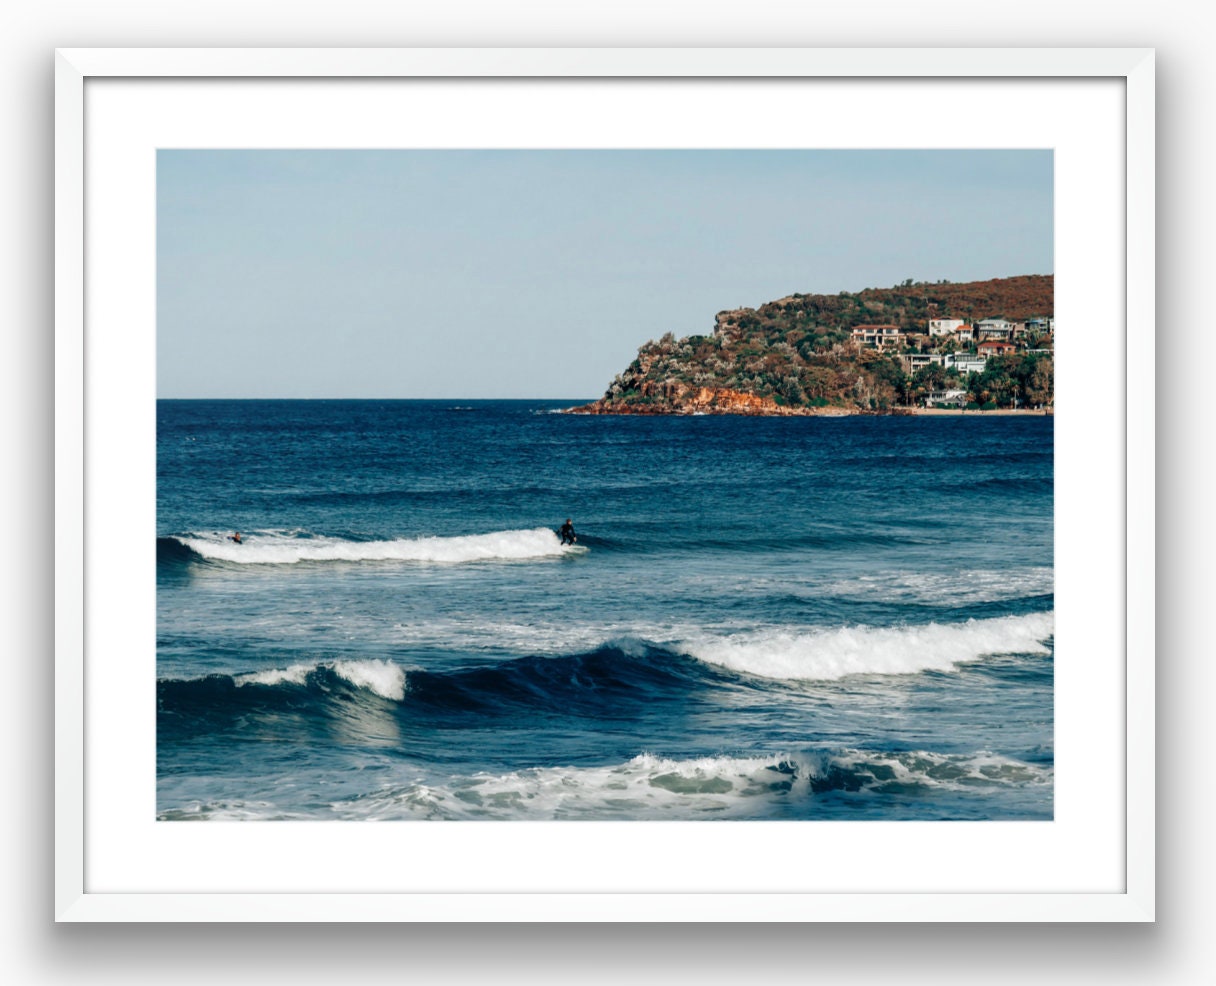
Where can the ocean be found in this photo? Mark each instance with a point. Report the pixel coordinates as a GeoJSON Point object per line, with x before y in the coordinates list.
{"type": "Point", "coordinates": [805, 618]}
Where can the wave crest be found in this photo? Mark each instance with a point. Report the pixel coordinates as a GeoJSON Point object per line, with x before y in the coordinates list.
{"type": "Point", "coordinates": [833, 653]}
{"type": "Point", "coordinates": [382, 677]}
{"type": "Point", "coordinates": [653, 787]}
{"type": "Point", "coordinates": [276, 549]}
{"type": "Point", "coordinates": [631, 669]}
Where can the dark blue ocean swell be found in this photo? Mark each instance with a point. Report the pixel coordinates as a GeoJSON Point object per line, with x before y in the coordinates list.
{"type": "Point", "coordinates": [482, 467]}
{"type": "Point", "coordinates": [618, 684]}
{"type": "Point", "coordinates": [609, 689]}
{"type": "Point", "coordinates": [603, 683]}
{"type": "Point", "coordinates": [172, 553]}
{"type": "Point", "coordinates": [765, 618]}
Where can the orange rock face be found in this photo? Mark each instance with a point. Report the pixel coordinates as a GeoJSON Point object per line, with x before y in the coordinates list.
{"type": "Point", "coordinates": [728, 401]}
{"type": "Point", "coordinates": [677, 398]}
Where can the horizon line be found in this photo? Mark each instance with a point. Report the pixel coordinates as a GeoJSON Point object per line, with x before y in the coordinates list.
{"type": "Point", "coordinates": [330, 398]}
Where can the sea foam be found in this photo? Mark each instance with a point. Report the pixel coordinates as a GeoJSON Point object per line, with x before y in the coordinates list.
{"type": "Point", "coordinates": [773, 651]}
{"type": "Point", "coordinates": [650, 786]}
{"type": "Point", "coordinates": [275, 549]}
{"type": "Point", "coordinates": [384, 678]}
{"type": "Point", "coordinates": [974, 585]}
{"type": "Point", "coordinates": [827, 654]}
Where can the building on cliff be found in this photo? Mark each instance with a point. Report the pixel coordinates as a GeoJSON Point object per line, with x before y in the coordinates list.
{"type": "Point", "coordinates": [996, 347]}
{"type": "Point", "coordinates": [994, 328]}
{"type": "Point", "coordinates": [877, 336]}
{"type": "Point", "coordinates": [915, 361]}
{"type": "Point", "coordinates": [945, 326]}
{"type": "Point", "coordinates": [966, 363]}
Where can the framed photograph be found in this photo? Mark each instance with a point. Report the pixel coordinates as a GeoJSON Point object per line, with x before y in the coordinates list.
{"type": "Point", "coordinates": [648, 483]}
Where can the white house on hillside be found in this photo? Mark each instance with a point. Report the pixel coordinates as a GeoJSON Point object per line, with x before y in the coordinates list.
{"type": "Point", "coordinates": [946, 398]}
{"type": "Point", "coordinates": [877, 336]}
{"type": "Point", "coordinates": [966, 363]}
{"type": "Point", "coordinates": [963, 362]}
{"type": "Point", "coordinates": [914, 361]}
{"type": "Point", "coordinates": [993, 328]}
{"type": "Point", "coordinates": [944, 326]}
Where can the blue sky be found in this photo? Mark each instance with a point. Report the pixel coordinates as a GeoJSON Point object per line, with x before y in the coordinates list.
{"type": "Point", "coordinates": [490, 274]}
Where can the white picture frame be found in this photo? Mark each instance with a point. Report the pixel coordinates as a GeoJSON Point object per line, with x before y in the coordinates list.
{"type": "Point", "coordinates": [86, 362]}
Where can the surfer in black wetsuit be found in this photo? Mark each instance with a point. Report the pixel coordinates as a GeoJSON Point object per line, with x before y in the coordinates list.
{"type": "Point", "coordinates": [567, 533]}
{"type": "Point", "coordinates": [236, 536]}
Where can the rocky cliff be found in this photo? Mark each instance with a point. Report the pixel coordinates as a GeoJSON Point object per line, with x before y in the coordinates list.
{"type": "Point", "coordinates": [678, 398]}
{"type": "Point", "coordinates": [797, 355]}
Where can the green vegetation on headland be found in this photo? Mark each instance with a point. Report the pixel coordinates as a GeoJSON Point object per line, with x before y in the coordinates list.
{"type": "Point", "coordinates": [985, 345]}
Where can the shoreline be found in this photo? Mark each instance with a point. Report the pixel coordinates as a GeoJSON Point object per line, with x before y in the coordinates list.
{"type": "Point", "coordinates": [1001, 411]}
{"type": "Point", "coordinates": [833, 412]}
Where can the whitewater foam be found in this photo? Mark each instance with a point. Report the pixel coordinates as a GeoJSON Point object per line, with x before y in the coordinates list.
{"type": "Point", "coordinates": [296, 674]}
{"type": "Point", "coordinates": [775, 651]}
{"type": "Point", "coordinates": [973, 585]}
{"type": "Point", "coordinates": [944, 771]}
{"type": "Point", "coordinates": [649, 786]}
{"type": "Point", "coordinates": [382, 677]}
{"type": "Point", "coordinates": [828, 654]}
{"type": "Point", "coordinates": [276, 549]}
{"type": "Point", "coordinates": [653, 787]}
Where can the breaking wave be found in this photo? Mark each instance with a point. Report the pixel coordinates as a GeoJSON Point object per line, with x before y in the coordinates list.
{"type": "Point", "coordinates": [274, 548]}
{"type": "Point", "coordinates": [604, 681]}
{"type": "Point", "coordinates": [652, 787]}
{"type": "Point", "coordinates": [826, 654]}
{"type": "Point", "coordinates": [380, 677]}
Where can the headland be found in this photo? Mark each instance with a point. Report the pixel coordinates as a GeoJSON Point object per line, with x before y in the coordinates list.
{"type": "Point", "coordinates": [983, 346]}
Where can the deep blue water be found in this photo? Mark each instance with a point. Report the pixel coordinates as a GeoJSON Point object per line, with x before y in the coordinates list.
{"type": "Point", "coordinates": [788, 618]}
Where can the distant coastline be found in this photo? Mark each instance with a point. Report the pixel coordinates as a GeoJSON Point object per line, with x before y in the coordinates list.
{"type": "Point", "coordinates": [829, 412]}
{"type": "Point", "coordinates": [1019, 412]}
{"type": "Point", "coordinates": [983, 347]}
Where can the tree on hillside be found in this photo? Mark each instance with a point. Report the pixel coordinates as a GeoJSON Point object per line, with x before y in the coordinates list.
{"type": "Point", "coordinates": [998, 382]}
{"type": "Point", "coordinates": [1038, 381]}
{"type": "Point", "coordinates": [931, 377]}
{"type": "Point", "coordinates": [819, 382]}
{"type": "Point", "coordinates": [889, 376]}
